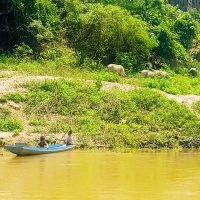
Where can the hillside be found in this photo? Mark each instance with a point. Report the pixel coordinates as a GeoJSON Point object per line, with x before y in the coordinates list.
{"type": "Point", "coordinates": [53, 58]}
{"type": "Point", "coordinates": [105, 114]}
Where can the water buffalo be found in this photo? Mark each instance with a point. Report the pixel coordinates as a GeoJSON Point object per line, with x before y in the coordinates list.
{"type": "Point", "coordinates": [154, 73]}
{"type": "Point", "coordinates": [116, 68]}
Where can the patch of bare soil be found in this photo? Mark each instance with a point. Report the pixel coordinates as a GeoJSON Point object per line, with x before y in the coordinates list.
{"type": "Point", "coordinates": [10, 85]}
{"type": "Point", "coordinates": [188, 100]}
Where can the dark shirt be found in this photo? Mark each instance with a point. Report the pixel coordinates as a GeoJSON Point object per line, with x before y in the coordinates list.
{"type": "Point", "coordinates": [42, 144]}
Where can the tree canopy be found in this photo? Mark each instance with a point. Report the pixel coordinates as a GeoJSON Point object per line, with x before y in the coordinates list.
{"type": "Point", "coordinates": [133, 31]}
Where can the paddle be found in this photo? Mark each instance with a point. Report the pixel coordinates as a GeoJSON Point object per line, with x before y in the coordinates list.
{"type": "Point", "coordinates": [65, 134]}
{"type": "Point", "coordinates": [62, 137]}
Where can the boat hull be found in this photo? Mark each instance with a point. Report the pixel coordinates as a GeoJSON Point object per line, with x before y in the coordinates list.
{"type": "Point", "coordinates": [23, 149]}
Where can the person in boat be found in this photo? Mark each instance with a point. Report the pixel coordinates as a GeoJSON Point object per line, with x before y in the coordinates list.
{"type": "Point", "coordinates": [43, 142]}
{"type": "Point", "coordinates": [69, 139]}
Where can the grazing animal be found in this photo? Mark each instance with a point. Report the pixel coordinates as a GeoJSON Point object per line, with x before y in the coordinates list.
{"type": "Point", "coordinates": [116, 68]}
{"type": "Point", "coordinates": [160, 73]}
{"type": "Point", "coordinates": [154, 73]}
{"type": "Point", "coordinates": [193, 72]}
{"type": "Point", "coordinates": [147, 73]}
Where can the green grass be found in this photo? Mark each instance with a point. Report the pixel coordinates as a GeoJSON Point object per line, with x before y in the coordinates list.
{"type": "Point", "coordinates": [196, 107]}
{"type": "Point", "coordinates": [52, 68]}
{"type": "Point", "coordinates": [174, 84]}
{"type": "Point", "coordinates": [137, 119]}
{"type": "Point", "coordinates": [16, 97]}
{"type": "Point", "coordinates": [8, 122]}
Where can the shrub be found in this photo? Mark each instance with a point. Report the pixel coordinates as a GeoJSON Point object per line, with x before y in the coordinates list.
{"type": "Point", "coordinates": [186, 27]}
{"type": "Point", "coordinates": [22, 50]}
{"type": "Point", "coordinates": [37, 121]}
{"type": "Point", "coordinates": [196, 107]}
{"type": "Point", "coordinates": [33, 23]}
{"type": "Point", "coordinates": [16, 97]}
{"type": "Point", "coordinates": [108, 31]}
{"type": "Point", "coordinates": [176, 84]}
{"type": "Point", "coordinates": [3, 99]}
{"type": "Point", "coordinates": [59, 126]}
{"type": "Point", "coordinates": [9, 123]}
{"type": "Point", "coordinates": [59, 54]}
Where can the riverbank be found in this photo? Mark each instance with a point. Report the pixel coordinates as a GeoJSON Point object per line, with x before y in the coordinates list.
{"type": "Point", "coordinates": [104, 114]}
{"type": "Point", "coordinates": [89, 142]}
{"type": "Point", "coordinates": [33, 139]}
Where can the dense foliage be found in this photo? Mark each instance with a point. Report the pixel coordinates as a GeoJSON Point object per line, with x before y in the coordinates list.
{"type": "Point", "coordinates": [31, 22]}
{"type": "Point", "coordinates": [131, 32]}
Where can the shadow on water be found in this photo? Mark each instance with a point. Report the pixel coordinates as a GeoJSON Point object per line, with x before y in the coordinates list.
{"type": "Point", "coordinates": [42, 157]}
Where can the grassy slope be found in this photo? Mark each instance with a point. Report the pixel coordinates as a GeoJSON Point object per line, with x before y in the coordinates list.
{"type": "Point", "coordinates": [136, 119]}
{"type": "Point", "coordinates": [174, 84]}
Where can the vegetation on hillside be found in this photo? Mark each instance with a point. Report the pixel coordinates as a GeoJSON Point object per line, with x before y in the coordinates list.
{"type": "Point", "coordinates": [9, 122]}
{"type": "Point", "coordinates": [136, 119]}
{"type": "Point", "coordinates": [76, 39]}
{"type": "Point", "coordinates": [175, 83]}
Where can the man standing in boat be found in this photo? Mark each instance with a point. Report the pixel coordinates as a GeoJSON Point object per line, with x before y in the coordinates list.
{"type": "Point", "coordinates": [69, 139]}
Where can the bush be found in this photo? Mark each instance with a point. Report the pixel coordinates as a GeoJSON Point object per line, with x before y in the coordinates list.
{"type": "Point", "coordinates": [173, 28]}
{"type": "Point", "coordinates": [186, 27]}
{"type": "Point", "coordinates": [59, 126]}
{"type": "Point", "coordinates": [196, 107]}
{"type": "Point", "coordinates": [33, 23]}
{"type": "Point", "coordinates": [59, 54]}
{"type": "Point", "coordinates": [22, 51]}
{"type": "Point", "coordinates": [16, 97]}
{"type": "Point", "coordinates": [109, 31]}
{"type": "Point", "coordinates": [9, 123]}
{"type": "Point", "coordinates": [175, 84]}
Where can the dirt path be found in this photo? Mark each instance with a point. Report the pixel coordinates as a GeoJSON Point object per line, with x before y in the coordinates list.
{"type": "Point", "coordinates": [188, 100]}
{"type": "Point", "coordinates": [8, 85]}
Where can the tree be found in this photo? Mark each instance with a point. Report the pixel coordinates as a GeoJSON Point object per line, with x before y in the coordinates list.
{"type": "Point", "coordinates": [186, 27]}
{"type": "Point", "coordinates": [110, 31]}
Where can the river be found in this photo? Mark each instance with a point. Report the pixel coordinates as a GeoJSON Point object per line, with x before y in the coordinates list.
{"type": "Point", "coordinates": [99, 175]}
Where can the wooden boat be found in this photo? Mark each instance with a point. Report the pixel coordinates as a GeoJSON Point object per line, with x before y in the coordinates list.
{"type": "Point", "coordinates": [24, 149]}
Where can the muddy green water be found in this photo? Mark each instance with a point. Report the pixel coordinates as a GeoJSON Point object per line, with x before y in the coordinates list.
{"type": "Point", "coordinates": [82, 175]}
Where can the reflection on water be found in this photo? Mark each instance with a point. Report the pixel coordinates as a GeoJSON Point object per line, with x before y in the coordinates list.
{"type": "Point", "coordinates": [101, 176]}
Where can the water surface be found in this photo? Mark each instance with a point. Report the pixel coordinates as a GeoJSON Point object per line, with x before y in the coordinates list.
{"type": "Point", "coordinates": [101, 176]}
